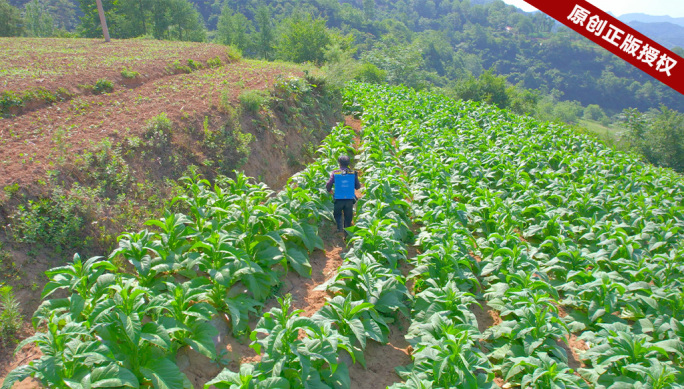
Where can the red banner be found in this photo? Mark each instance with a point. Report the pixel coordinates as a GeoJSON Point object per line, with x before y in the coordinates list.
{"type": "Point", "coordinates": [618, 38]}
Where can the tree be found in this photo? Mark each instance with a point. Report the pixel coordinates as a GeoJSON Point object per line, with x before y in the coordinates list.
{"type": "Point", "coordinates": [303, 39]}
{"type": "Point", "coordinates": [186, 23]}
{"type": "Point", "coordinates": [37, 20]}
{"type": "Point", "coordinates": [90, 21]}
{"type": "Point", "coordinates": [369, 10]}
{"type": "Point", "coordinates": [130, 19]}
{"type": "Point", "coordinates": [233, 29]}
{"type": "Point", "coordinates": [265, 38]}
{"type": "Point", "coordinates": [488, 88]}
{"type": "Point", "coordinates": [404, 64]}
{"type": "Point", "coordinates": [10, 20]}
{"type": "Point", "coordinates": [594, 112]}
{"type": "Point", "coordinates": [658, 135]}
{"type": "Point", "coordinates": [64, 14]}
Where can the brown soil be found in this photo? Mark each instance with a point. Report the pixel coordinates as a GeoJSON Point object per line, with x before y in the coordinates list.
{"type": "Point", "coordinates": [381, 361]}
{"type": "Point", "coordinates": [477, 257]}
{"type": "Point", "coordinates": [561, 311]}
{"type": "Point", "coordinates": [23, 357]}
{"type": "Point", "coordinates": [486, 316]}
{"type": "Point", "coordinates": [32, 143]}
{"type": "Point", "coordinates": [572, 347]}
{"type": "Point", "coordinates": [53, 63]}
{"type": "Point", "coordinates": [355, 124]}
{"type": "Point", "coordinates": [324, 265]}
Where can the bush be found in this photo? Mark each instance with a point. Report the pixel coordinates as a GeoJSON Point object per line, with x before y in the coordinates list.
{"type": "Point", "coordinates": [194, 65]}
{"type": "Point", "coordinates": [658, 135]}
{"type": "Point", "coordinates": [103, 86]}
{"type": "Point", "coordinates": [129, 74]}
{"type": "Point", "coordinates": [9, 100]}
{"type": "Point", "coordinates": [371, 74]}
{"type": "Point", "coordinates": [55, 220]}
{"type": "Point", "coordinates": [253, 100]}
{"type": "Point", "coordinates": [234, 54]}
{"type": "Point", "coordinates": [214, 62]}
{"type": "Point", "coordinates": [594, 112]}
{"type": "Point", "coordinates": [10, 316]}
{"type": "Point", "coordinates": [158, 133]}
{"type": "Point", "coordinates": [177, 67]}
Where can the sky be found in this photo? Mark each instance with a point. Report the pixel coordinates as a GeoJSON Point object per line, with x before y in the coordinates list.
{"type": "Point", "coordinates": [674, 8]}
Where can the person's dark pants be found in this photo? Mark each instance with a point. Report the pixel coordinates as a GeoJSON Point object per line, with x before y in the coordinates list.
{"type": "Point", "coordinates": [343, 208]}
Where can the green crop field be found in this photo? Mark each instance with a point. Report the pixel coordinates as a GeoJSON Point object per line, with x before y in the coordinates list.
{"type": "Point", "coordinates": [573, 251]}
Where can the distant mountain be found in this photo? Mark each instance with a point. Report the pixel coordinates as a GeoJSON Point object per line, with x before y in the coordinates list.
{"type": "Point", "coordinates": [643, 18]}
{"type": "Point", "coordinates": [667, 34]}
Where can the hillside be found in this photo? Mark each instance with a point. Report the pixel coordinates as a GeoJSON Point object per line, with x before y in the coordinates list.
{"type": "Point", "coordinates": [422, 44]}
{"type": "Point", "coordinates": [488, 250]}
{"type": "Point", "coordinates": [667, 34]}
{"type": "Point", "coordinates": [643, 18]}
{"type": "Point", "coordinates": [94, 139]}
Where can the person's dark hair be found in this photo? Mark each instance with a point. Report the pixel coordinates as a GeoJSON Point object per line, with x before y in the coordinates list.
{"type": "Point", "coordinates": [344, 161]}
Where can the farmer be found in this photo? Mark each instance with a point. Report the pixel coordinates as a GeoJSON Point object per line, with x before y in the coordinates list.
{"type": "Point", "coordinates": [345, 182]}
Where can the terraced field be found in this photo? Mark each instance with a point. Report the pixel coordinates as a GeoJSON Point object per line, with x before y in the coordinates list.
{"type": "Point", "coordinates": [33, 141]}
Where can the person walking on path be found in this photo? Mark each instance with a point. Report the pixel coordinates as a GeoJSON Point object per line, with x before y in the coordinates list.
{"type": "Point", "coordinates": [345, 181]}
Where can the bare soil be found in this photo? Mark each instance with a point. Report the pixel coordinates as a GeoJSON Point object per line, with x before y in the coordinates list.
{"type": "Point", "coordinates": [31, 144]}
{"type": "Point", "coordinates": [485, 315]}
{"type": "Point", "coordinates": [381, 361]}
{"type": "Point", "coordinates": [53, 63]}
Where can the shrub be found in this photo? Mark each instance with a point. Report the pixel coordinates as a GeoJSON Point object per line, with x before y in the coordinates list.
{"type": "Point", "coordinates": [214, 62]}
{"type": "Point", "coordinates": [194, 65]}
{"type": "Point", "coordinates": [55, 220]}
{"type": "Point", "coordinates": [129, 74]}
{"type": "Point", "coordinates": [371, 74]}
{"type": "Point", "coordinates": [253, 100]}
{"type": "Point", "coordinates": [158, 131]}
{"type": "Point", "coordinates": [177, 67]}
{"type": "Point", "coordinates": [10, 316]}
{"type": "Point", "coordinates": [39, 94]}
{"type": "Point", "coordinates": [594, 112]}
{"type": "Point", "coordinates": [9, 100]}
{"type": "Point", "coordinates": [103, 86]}
{"type": "Point", "coordinates": [234, 54]}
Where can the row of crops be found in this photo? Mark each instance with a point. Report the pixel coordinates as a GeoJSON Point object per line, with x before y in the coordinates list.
{"type": "Point", "coordinates": [368, 291]}
{"type": "Point", "coordinates": [223, 257]}
{"type": "Point", "coordinates": [559, 235]}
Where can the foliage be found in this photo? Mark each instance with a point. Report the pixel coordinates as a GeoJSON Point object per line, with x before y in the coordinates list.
{"type": "Point", "coordinates": [488, 88]}
{"type": "Point", "coordinates": [56, 220]}
{"type": "Point", "coordinates": [253, 100]}
{"type": "Point", "coordinates": [266, 34]}
{"type": "Point", "coordinates": [370, 73]}
{"type": "Point", "coordinates": [304, 39]}
{"type": "Point", "coordinates": [10, 316]}
{"type": "Point", "coordinates": [10, 20]}
{"type": "Point", "coordinates": [164, 19]}
{"type": "Point", "coordinates": [129, 74]}
{"type": "Point", "coordinates": [233, 29]}
{"type": "Point", "coordinates": [658, 136]}
{"type": "Point", "coordinates": [10, 100]}
{"type": "Point", "coordinates": [103, 86]}
{"type": "Point", "coordinates": [158, 131]}
{"type": "Point", "coordinates": [38, 21]}
{"type": "Point", "coordinates": [214, 62]}
{"type": "Point", "coordinates": [531, 218]}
